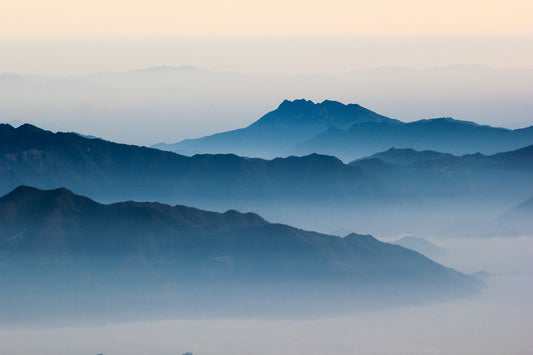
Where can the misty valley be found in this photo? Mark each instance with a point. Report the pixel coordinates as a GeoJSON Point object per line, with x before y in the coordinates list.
{"type": "Point", "coordinates": [318, 218]}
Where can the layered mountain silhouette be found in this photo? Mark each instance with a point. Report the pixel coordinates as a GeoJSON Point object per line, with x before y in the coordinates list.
{"type": "Point", "coordinates": [519, 219]}
{"type": "Point", "coordinates": [348, 131]}
{"type": "Point", "coordinates": [54, 226]}
{"type": "Point", "coordinates": [421, 245]}
{"type": "Point", "coordinates": [429, 173]}
{"type": "Point", "coordinates": [110, 171]}
{"type": "Point", "coordinates": [404, 157]}
{"type": "Point", "coordinates": [277, 132]}
{"type": "Point", "coordinates": [128, 259]}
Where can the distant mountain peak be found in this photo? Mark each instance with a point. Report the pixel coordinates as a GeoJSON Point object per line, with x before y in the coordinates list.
{"type": "Point", "coordinates": [302, 114]}
{"type": "Point", "coordinates": [10, 77]}
{"type": "Point", "coordinates": [166, 68]}
{"type": "Point", "coordinates": [357, 236]}
{"type": "Point", "coordinates": [448, 120]}
{"type": "Point", "coordinates": [295, 104]}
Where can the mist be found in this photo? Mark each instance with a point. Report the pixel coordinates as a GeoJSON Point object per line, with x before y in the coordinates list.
{"type": "Point", "coordinates": [497, 321]}
{"type": "Point", "coordinates": [139, 92]}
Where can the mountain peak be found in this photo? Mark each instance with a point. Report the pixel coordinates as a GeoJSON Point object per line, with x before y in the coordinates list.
{"type": "Point", "coordinates": [355, 236]}
{"type": "Point", "coordinates": [23, 191]}
{"type": "Point", "coordinates": [448, 120]}
{"type": "Point", "coordinates": [295, 105]}
{"type": "Point", "coordinates": [307, 116]}
{"type": "Point", "coordinates": [28, 127]}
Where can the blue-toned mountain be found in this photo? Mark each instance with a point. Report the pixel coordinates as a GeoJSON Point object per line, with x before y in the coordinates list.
{"type": "Point", "coordinates": [279, 131]}
{"type": "Point", "coordinates": [303, 127]}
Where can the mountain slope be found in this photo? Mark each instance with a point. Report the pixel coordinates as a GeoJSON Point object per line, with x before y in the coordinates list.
{"type": "Point", "coordinates": [57, 225]}
{"type": "Point", "coordinates": [110, 171]}
{"type": "Point", "coordinates": [519, 219]}
{"type": "Point", "coordinates": [421, 245]}
{"type": "Point", "coordinates": [277, 132]}
{"type": "Point", "coordinates": [442, 134]}
{"type": "Point", "coordinates": [429, 173]}
{"type": "Point", "coordinates": [405, 157]}
{"type": "Point", "coordinates": [63, 256]}
{"type": "Point", "coordinates": [302, 127]}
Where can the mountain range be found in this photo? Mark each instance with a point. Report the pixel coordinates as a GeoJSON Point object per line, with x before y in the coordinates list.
{"type": "Point", "coordinates": [136, 259]}
{"type": "Point", "coordinates": [421, 245]}
{"type": "Point", "coordinates": [519, 219]}
{"type": "Point", "coordinates": [277, 132]}
{"type": "Point", "coordinates": [58, 226]}
{"type": "Point", "coordinates": [303, 127]}
{"type": "Point", "coordinates": [426, 173]}
{"type": "Point", "coordinates": [112, 172]}
{"type": "Point", "coordinates": [146, 259]}
{"type": "Point", "coordinates": [192, 102]}
{"type": "Point", "coordinates": [387, 185]}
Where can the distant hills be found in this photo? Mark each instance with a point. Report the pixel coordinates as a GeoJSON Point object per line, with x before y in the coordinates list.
{"type": "Point", "coordinates": [429, 173]}
{"type": "Point", "coordinates": [191, 102]}
{"type": "Point", "coordinates": [279, 131]}
{"type": "Point", "coordinates": [57, 226]}
{"type": "Point", "coordinates": [519, 219]}
{"type": "Point", "coordinates": [144, 258]}
{"type": "Point", "coordinates": [421, 245]}
{"type": "Point", "coordinates": [109, 171]}
{"type": "Point", "coordinates": [348, 131]}
{"type": "Point", "coordinates": [406, 192]}
{"type": "Point", "coordinates": [404, 157]}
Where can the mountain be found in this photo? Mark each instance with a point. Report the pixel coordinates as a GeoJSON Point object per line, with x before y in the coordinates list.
{"type": "Point", "coordinates": [277, 132]}
{"type": "Point", "coordinates": [519, 219]}
{"type": "Point", "coordinates": [190, 102]}
{"type": "Point", "coordinates": [303, 127]}
{"type": "Point", "coordinates": [51, 225]}
{"type": "Point", "coordinates": [81, 256]}
{"type": "Point", "coordinates": [421, 245]}
{"type": "Point", "coordinates": [316, 191]}
{"type": "Point", "coordinates": [109, 171]}
{"type": "Point", "coordinates": [440, 134]}
{"type": "Point", "coordinates": [405, 157]}
{"type": "Point", "coordinates": [506, 174]}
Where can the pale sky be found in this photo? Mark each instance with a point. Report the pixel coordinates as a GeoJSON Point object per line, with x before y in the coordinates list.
{"type": "Point", "coordinates": [72, 19]}
{"type": "Point", "coordinates": [283, 50]}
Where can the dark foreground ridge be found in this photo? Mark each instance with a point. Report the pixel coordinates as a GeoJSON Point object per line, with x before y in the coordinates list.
{"type": "Point", "coordinates": [67, 243]}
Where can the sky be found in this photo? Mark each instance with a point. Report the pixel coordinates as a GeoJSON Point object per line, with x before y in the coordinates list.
{"type": "Point", "coordinates": [37, 19]}
{"type": "Point", "coordinates": [275, 50]}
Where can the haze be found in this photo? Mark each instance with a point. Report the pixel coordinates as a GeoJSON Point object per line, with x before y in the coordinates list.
{"type": "Point", "coordinates": [496, 322]}
{"type": "Point", "coordinates": [146, 278]}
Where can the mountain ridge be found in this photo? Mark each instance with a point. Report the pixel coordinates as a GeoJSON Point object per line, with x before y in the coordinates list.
{"type": "Point", "coordinates": [301, 127]}
{"type": "Point", "coordinates": [292, 122]}
{"type": "Point", "coordinates": [39, 224]}
{"type": "Point", "coordinates": [31, 156]}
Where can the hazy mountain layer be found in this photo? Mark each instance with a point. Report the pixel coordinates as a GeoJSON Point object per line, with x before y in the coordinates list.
{"type": "Point", "coordinates": [82, 257]}
{"type": "Point", "coordinates": [348, 131]}
{"type": "Point", "coordinates": [429, 173]}
{"type": "Point", "coordinates": [370, 194]}
{"type": "Point", "coordinates": [277, 132]}
{"type": "Point", "coordinates": [110, 171]}
{"type": "Point", "coordinates": [59, 226]}
{"type": "Point", "coordinates": [440, 134]}
{"type": "Point", "coordinates": [519, 219]}
{"type": "Point", "coordinates": [420, 245]}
